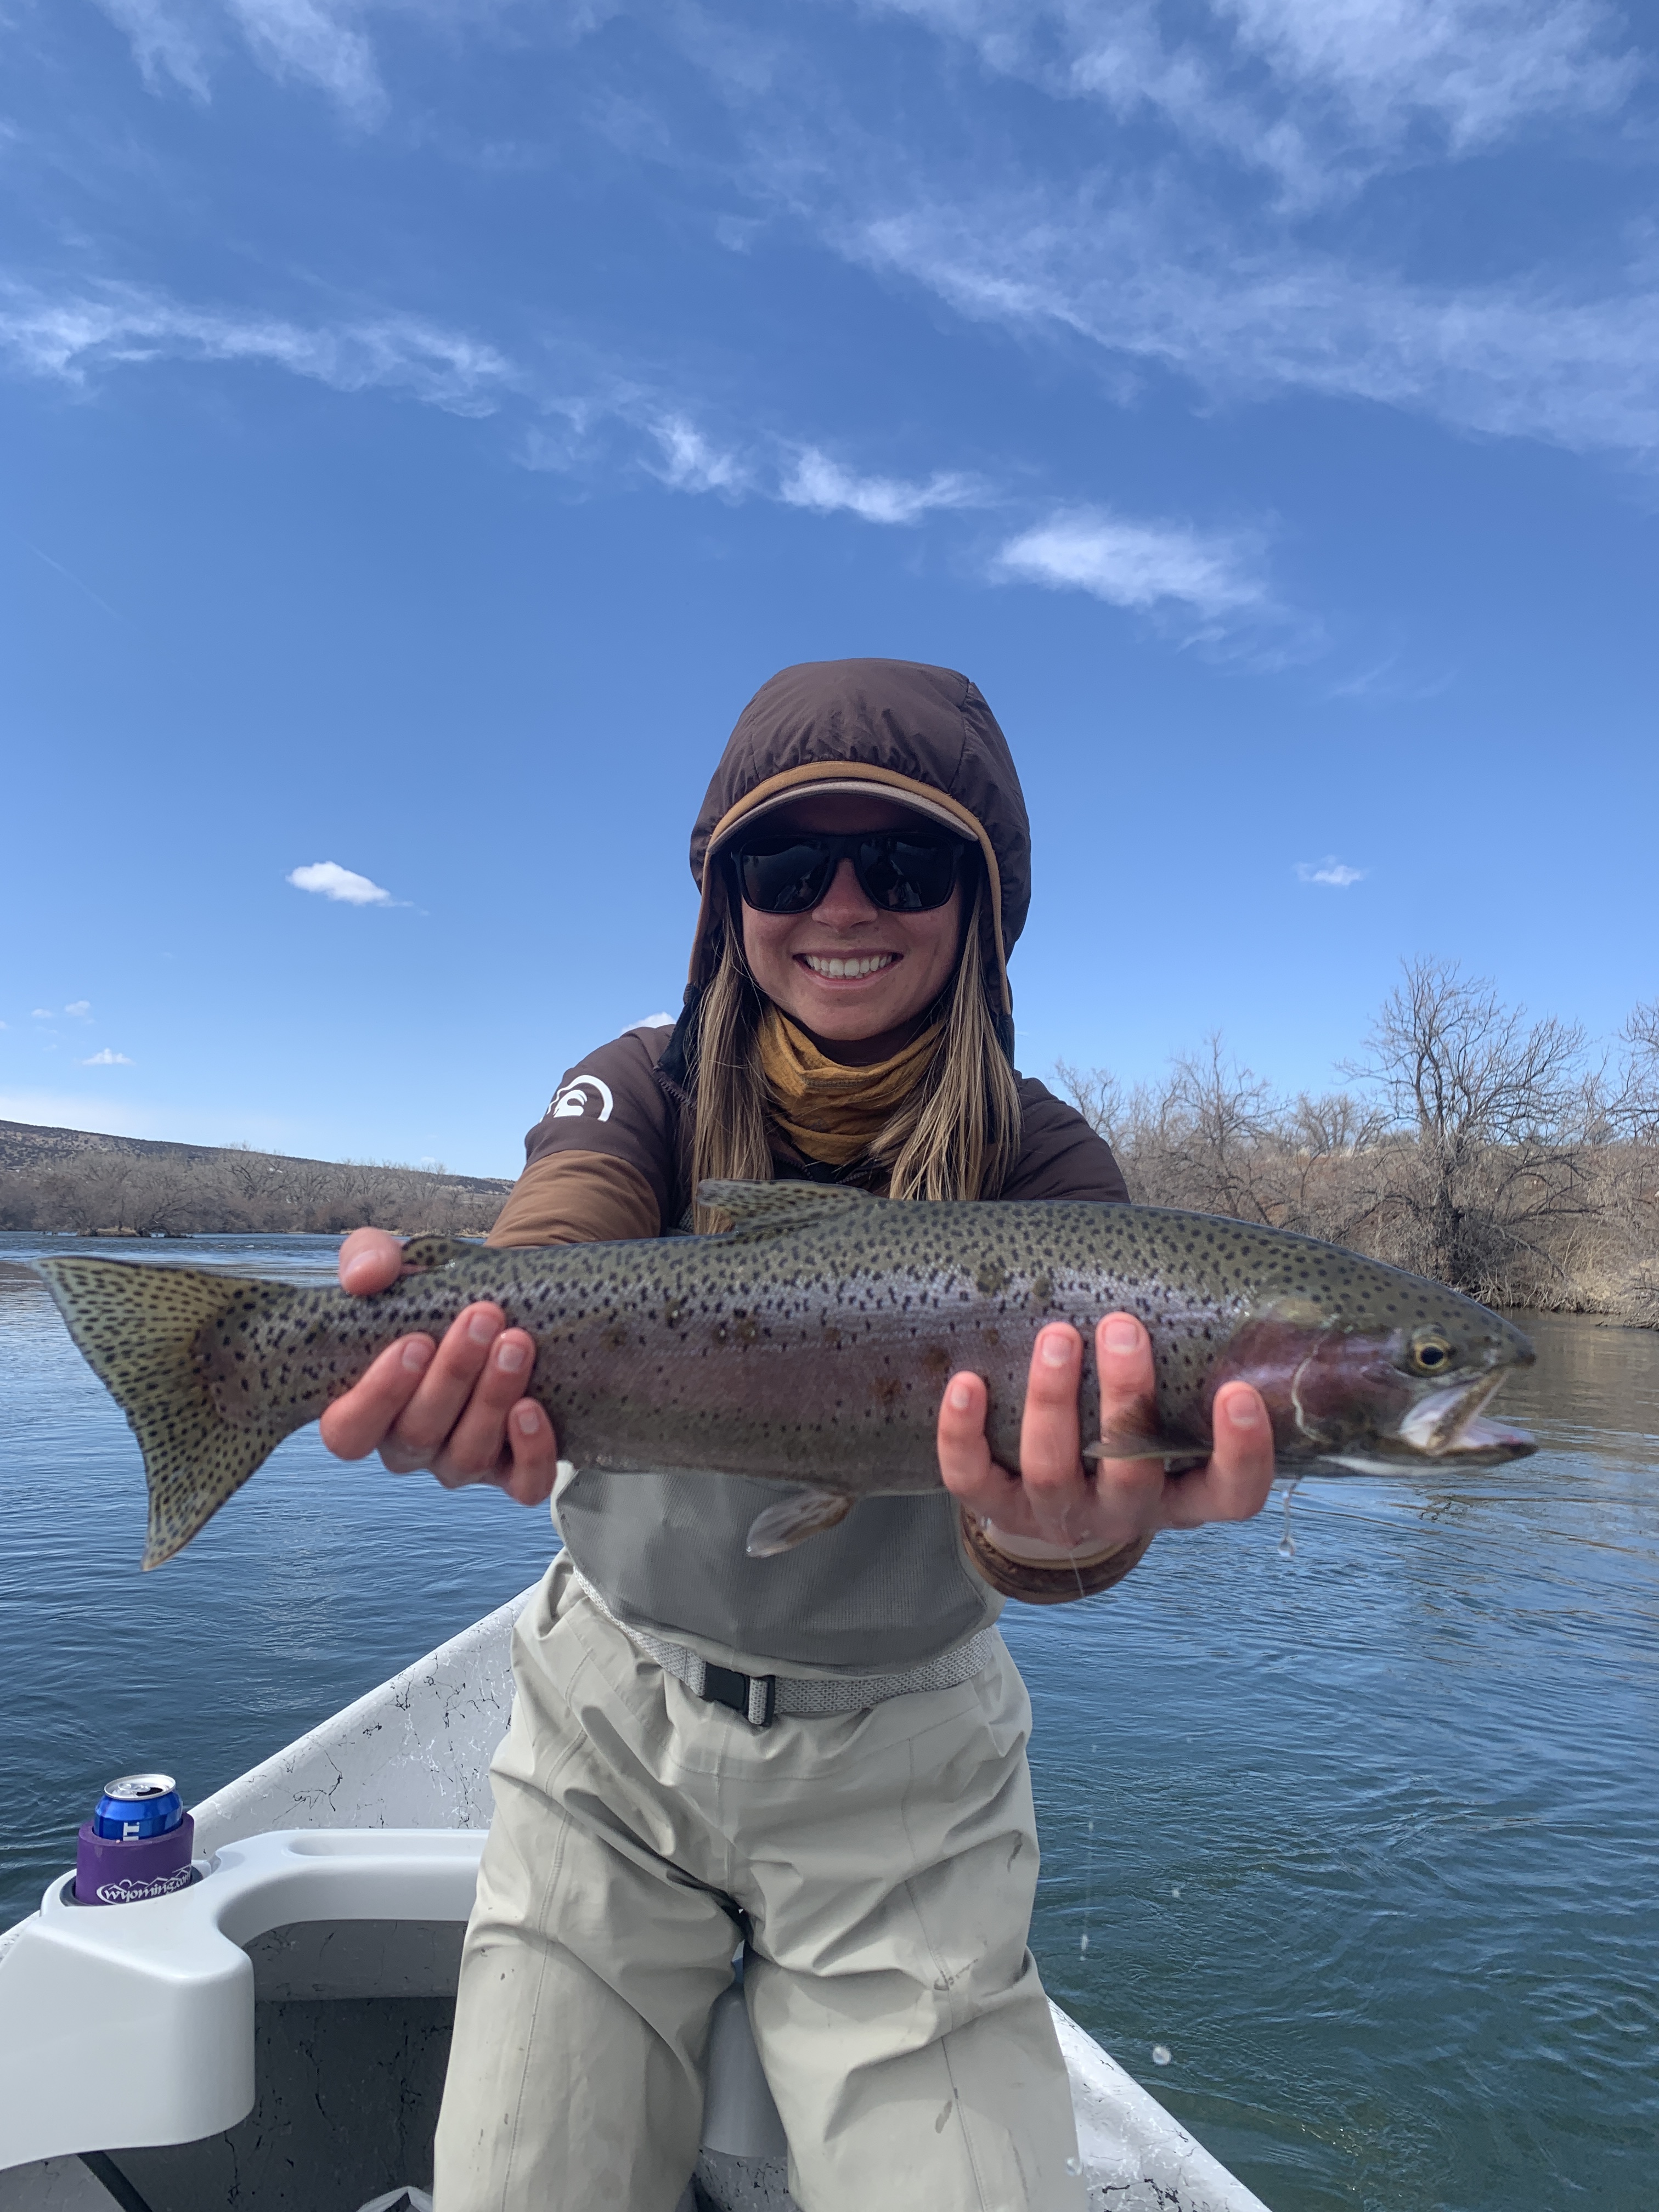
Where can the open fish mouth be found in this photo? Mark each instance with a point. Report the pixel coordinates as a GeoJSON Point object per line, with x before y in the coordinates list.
{"type": "Point", "coordinates": [1448, 1424]}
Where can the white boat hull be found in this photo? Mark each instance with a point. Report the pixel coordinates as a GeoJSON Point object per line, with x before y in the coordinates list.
{"type": "Point", "coordinates": [273, 2037]}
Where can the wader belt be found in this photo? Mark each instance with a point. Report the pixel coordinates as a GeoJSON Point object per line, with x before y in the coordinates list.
{"type": "Point", "coordinates": [762, 1698]}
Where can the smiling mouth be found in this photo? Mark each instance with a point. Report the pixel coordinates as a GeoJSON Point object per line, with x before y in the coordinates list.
{"type": "Point", "coordinates": [850, 967]}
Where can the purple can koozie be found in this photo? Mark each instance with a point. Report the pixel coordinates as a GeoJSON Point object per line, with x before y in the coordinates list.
{"type": "Point", "coordinates": [109, 1872]}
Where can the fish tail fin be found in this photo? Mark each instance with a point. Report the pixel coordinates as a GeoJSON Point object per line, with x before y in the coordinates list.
{"type": "Point", "coordinates": [138, 1327]}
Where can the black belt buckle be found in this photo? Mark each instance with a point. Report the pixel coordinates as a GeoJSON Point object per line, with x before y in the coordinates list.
{"type": "Point", "coordinates": [724, 1686]}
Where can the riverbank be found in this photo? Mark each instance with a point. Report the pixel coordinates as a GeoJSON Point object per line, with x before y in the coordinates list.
{"type": "Point", "coordinates": [85, 1183]}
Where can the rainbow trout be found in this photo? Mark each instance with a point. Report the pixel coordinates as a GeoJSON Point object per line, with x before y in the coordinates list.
{"type": "Point", "coordinates": [810, 1345]}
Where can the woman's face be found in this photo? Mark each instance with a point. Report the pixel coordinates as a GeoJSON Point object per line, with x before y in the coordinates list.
{"type": "Point", "coordinates": [849, 972]}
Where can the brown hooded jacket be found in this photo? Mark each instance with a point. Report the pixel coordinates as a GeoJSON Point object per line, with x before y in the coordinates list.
{"type": "Point", "coordinates": [607, 1160]}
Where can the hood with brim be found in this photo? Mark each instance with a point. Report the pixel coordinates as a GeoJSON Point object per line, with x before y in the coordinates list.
{"type": "Point", "coordinates": [922, 736]}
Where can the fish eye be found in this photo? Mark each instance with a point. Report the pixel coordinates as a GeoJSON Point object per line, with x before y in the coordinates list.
{"type": "Point", "coordinates": [1430, 1353]}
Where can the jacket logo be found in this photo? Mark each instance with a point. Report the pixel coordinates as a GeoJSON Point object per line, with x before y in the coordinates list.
{"type": "Point", "coordinates": [573, 1102]}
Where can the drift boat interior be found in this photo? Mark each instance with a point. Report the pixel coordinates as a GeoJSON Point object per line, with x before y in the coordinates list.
{"type": "Point", "coordinates": [273, 2036]}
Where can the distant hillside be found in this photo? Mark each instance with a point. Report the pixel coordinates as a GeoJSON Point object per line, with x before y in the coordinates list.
{"type": "Point", "coordinates": [97, 1185]}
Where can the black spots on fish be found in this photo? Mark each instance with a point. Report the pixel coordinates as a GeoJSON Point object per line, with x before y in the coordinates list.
{"type": "Point", "coordinates": [990, 1278]}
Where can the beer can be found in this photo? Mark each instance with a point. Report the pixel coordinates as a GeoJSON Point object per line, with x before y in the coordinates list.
{"type": "Point", "coordinates": [136, 1807]}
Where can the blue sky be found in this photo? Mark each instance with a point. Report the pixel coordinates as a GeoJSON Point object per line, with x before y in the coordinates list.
{"type": "Point", "coordinates": [424, 424]}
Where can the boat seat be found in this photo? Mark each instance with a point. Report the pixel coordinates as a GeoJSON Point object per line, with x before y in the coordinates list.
{"type": "Point", "coordinates": [133, 2025]}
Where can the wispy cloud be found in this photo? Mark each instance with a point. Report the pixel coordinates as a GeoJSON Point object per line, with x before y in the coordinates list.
{"type": "Point", "coordinates": [1165, 284]}
{"type": "Point", "coordinates": [42, 1014]}
{"type": "Point", "coordinates": [621, 425]}
{"type": "Point", "coordinates": [108, 1059]}
{"type": "Point", "coordinates": [692, 462]}
{"type": "Point", "coordinates": [107, 325]}
{"type": "Point", "coordinates": [314, 43]}
{"type": "Point", "coordinates": [1331, 871]}
{"type": "Point", "coordinates": [164, 44]}
{"type": "Point", "coordinates": [331, 881]}
{"type": "Point", "coordinates": [1318, 94]}
{"type": "Point", "coordinates": [815, 480]}
{"type": "Point", "coordinates": [304, 41]}
{"type": "Point", "coordinates": [1139, 565]}
{"type": "Point", "coordinates": [79, 1007]}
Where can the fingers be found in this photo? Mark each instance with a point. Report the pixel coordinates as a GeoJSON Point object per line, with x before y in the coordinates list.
{"type": "Point", "coordinates": [492, 1365]}
{"type": "Point", "coordinates": [354, 1425]}
{"type": "Point", "coordinates": [1128, 1380]}
{"type": "Point", "coordinates": [1058, 1493]}
{"type": "Point", "coordinates": [369, 1259]}
{"type": "Point", "coordinates": [535, 1454]}
{"type": "Point", "coordinates": [1055, 1500]}
{"type": "Point", "coordinates": [965, 1465]}
{"type": "Point", "coordinates": [459, 1408]}
{"type": "Point", "coordinates": [1236, 1483]}
{"type": "Point", "coordinates": [1131, 1493]}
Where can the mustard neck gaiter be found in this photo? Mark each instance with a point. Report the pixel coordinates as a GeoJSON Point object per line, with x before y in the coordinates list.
{"type": "Point", "coordinates": [830, 1113]}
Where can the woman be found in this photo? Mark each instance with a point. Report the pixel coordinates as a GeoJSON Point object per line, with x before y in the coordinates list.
{"type": "Point", "coordinates": [820, 1754]}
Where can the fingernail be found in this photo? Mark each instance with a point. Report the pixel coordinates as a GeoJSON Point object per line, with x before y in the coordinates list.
{"type": "Point", "coordinates": [484, 1327]}
{"type": "Point", "coordinates": [961, 1397]}
{"type": "Point", "coordinates": [1056, 1350]}
{"type": "Point", "coordinates": [529, 1421]}
{"type": "Point", "coordinates": [1242, 1410]}
{"type": "Point", "coordinates": [1122, 1336]}
{"type": "Point", "coordinates": [510, 1358]}
{"type": "Point", "coordinates": [417, 1352]}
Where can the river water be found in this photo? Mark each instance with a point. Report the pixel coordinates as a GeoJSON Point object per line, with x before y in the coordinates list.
{"type": "Point", "coordinates": [1352, 1857]}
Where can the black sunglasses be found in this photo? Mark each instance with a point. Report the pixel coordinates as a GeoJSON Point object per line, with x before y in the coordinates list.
{"type": "Point", "coordinates": [902, 871]}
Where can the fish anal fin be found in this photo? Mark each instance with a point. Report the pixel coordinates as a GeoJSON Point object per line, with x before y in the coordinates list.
{"type": "Point", "coordinates": [761, 1209]}
{"type": "Point", "coordinates": [793, 1520]}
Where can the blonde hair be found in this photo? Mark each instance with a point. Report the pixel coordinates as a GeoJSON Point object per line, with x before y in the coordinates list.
{"type": "Point", "coordinates": [958, 1136]}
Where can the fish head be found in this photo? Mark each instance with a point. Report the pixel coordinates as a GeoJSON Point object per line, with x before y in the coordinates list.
{"type": "Point", "coordinates": [1385, 1384]}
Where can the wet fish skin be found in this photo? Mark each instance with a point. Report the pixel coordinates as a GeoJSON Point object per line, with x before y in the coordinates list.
{"type": "Point", "coordinates": [810, 1345]}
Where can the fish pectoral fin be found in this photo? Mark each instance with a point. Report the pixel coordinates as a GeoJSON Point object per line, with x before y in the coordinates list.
{"type": "Point", "coordinates": [1124, 1443]}
{"type": "Point", "coordinates": [760, 1209]}
{"type": "Point", "coordinates": [423, 1253]}
{"type": "Point", "coordinates": [793, 1520]}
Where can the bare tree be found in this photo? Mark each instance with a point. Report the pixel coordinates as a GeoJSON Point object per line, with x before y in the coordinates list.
{"type": "Point", "coordinates": [1493, 1105]}
{"type": "Point", "coordinates": [1632, 1108]}
{"type": "Point", "coordinates": [1098, 1097]}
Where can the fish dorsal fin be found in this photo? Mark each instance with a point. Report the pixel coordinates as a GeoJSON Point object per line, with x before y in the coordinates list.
{"type": "Point", "coordinates": [765, 1209]}
{"type": "Point", "coordinates": [423, 1253]}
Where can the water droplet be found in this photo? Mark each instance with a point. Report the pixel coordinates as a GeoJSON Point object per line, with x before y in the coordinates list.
{"type": "Point", "coordinates": [1083, 1947]}
{"type": "Point", "coordinates": [1074, 2166]}
{"type": "Point", "coordinates": [1161, 2054]}
{"type": "Point", "coordinates": [1176, 1891]}
{"type": "Point", "coordinates": [1286, 1542]}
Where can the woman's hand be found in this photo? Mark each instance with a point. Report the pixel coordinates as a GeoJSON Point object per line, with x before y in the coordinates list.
{"type": "Point", "coordinates": [456, 1407]}
{"type": "Point", "coordinates": [1053, 1501]}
